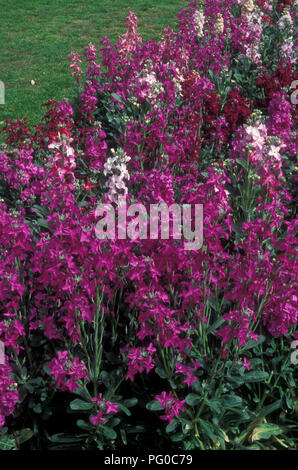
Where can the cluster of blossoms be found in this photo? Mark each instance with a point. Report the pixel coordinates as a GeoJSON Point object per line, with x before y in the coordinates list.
{"type": "Point", "coordinates": [148, 87]}
{"type": "Point", "coordinates": [172, 406]}
{"type": "Point", "coordinates": [75, 61]}
{"type": "Point", "coordinates": [272, 83]}
{"type": "Point", "coordinates": [280, 119]}
{"type": "Point", "coordinates": [128, 43]}
{"type": "Point", "coordinates": [285, 24]}
{"type": "Point", "coordinates": [8, 393]}
{"type": "Point", "coordinates": [247, 8]}
{"type": "Point", "coordinates": [105, 409]}
{"type": "Point", "coordinates": [240, 328]}
{"type": "Point", "coordinates": [219, 24]}
{"type": "Point", "coordinates": [68, 373]}
{"type": "Point", "coordinates": [255, 22]}
{"type": "Point", "coordinates": [116, 170]}
{"type": "Point", "coordinates": [139, 360]}
{"type": "Point", "coordinates": [188, 371]}
{"type": "Point", "coordinates": [236, 108]}
{"type": "Point", "coordinates": [16, 248]}
{"type": "Point", "coordinates": [162, 122]}
{"type": "Point", "coordinates": [199, 20]}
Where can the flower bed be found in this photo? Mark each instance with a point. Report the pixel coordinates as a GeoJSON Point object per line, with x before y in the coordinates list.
{"type": "Point", "coordinates": [130, 340]}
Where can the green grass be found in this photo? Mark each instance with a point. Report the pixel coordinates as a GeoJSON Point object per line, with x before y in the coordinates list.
{"type": "Point", "coordinates": [37, 36]}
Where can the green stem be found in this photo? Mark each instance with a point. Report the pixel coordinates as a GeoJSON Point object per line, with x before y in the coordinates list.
{"type": "Point", "coordinates": [98, 337]}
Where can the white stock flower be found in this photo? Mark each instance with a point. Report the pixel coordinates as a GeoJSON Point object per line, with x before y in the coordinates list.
{"type": "Point", "coordinates": [219, 24]}
{"type": "Point", "coordinates": [285, 21]}
{"type": "Point", "coordinates": [199, 20]}
{"type": "Point", "coordinates": [115, 168]}
{"type": "Point", "coordinates": [274, 152]}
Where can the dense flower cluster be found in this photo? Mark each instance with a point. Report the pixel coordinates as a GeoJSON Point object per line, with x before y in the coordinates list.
{"type": "Point", "coordinates": [140, 359]}
{"type": "Point", "coordinates": [8, 393]}
{"type": "Point", "coordinates": [175, 121]}
{"type": "Point", "coordinates": [67, 372]}
{"type": "Point", "coordinates": [105, 408]}
{"type": "Point", "coordinates": [115, 169]}
{"type": "Point", "coordinates": [172, 406]}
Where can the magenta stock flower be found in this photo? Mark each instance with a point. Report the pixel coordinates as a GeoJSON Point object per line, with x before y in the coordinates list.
{"type": "Point", "coordinates": [97, 419]}
{"type": "Point", "coordinates": [188, 371]}
{"type": "Point", "coordinates": [67, 373]}
{"type": "Point", "coordinates": [8, 393]}
{"type": "Point", "coordinates": [246, 363]}
{"type": "Point", "coordinates": [105, 409]}
{"type": "Point", "coordinates": [200, 117]}
{"type": "Point", "coordinates": [140, 359]}
{"type": "Point", "coordinates": [173, 406]}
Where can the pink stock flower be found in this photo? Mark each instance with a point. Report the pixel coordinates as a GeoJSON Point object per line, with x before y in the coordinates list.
{"type": "Point", "coordinates": [105, 408]}
{"type": "Point", "coordinates": [190, 134]}
{"type": "Point", "coordinates": [246, 363]}
{"type": "Point", "coordinates": [8, 392]}
{"type": "Point", "coordinates": [130, 39]}
{"type": "Point", "coordinates": [188, 371]}
{"type": "Point", "coordinates": [172, 406]}
{"type": "Point", "coordinates": [140, 359]}
{"type": "Point", "coordinates": [67, 373]}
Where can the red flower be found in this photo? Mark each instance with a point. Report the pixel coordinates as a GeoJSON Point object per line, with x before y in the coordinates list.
{"type": "Point", "coordinates": [266, 19]}
{"type": "Point", "coordinates": [89, 185]}
{"type": "Point", "coordinates": [236, 109]}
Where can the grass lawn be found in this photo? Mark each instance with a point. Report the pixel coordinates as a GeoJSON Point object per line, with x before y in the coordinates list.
{"type": "Point", "coordinates": [37, 36]}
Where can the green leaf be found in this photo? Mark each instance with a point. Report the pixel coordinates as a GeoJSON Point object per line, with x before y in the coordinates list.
{"type": "Point", "coordinates": [242, 163]}
{"type": "Point", "coordinates": [267, 410]}
{"type": "Point", "coordinates": [24, 435]}
{"type": "Point", "coordinates": [232, 401]}
{"type": "Point", "coordinates": [214, 327]}
{"type": "Point", "coordinates": [251, 343]}
{"type": "Point", "coordinates": [160, 371]}
{"type": "Point", "coordinates": [7, 442]}
{"type": "Point", "coordinates": [214, 404]}
{"type": "Point", "coordinates": [123, 436]}
{"type": "Point", "coordinates": [135, 429]}
{"type": "Point", "coordinates": [236, 380]}
{"type": "Point", "coordinates": [255, 376]}
{"type": "Point", "coordinates": [124, 409]}
{"type": "Point", "coordinates": [154, 406]}
{"type": "Point", "coordinates": [39, 210]}
{"type": "Point", "coordinates": [105, 377]}
{"type": "Point", "coordinates": [114, 422]}
{"type": "Point", "coordinates": [177, 437]}
{"type": "Point", "coordinates": [130, 402]}
{"type": "Point", "coordinates": [117, 97]}
{"type": "Point", "coordinates": [37, 408]}
{"type": "Point", "coordinates": [42, 223]}
{"type": "Point", "coordinates": [109, 432]}
{"type": "Point", "coordinates": [83, 424]}
{"type": "Point", "coordinates": [171, 427]}
{"type": "Point", "coordinates": [192, 399]}
{"type": "Point", "coordinates": [265, 431]}
{"type": "Point", "coordinates": [62, 438]}
{"type": "Point", "coordinates": [208, 429]}
{"type": "Point", "coordinates": [80, 405]}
